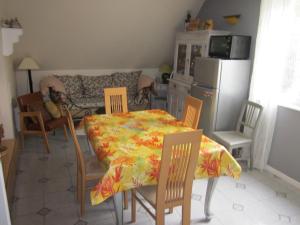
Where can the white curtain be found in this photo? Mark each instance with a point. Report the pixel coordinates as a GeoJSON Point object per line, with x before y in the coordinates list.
{"type": "Point", "coordinates": [270, 63]}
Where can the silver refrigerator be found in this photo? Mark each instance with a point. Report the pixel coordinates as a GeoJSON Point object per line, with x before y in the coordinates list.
{"type": "Point", "coordinates": [222, 85]}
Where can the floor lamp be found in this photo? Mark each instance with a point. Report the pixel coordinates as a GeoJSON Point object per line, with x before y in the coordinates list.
{"type": "Point", "coordinates": [29, 64]}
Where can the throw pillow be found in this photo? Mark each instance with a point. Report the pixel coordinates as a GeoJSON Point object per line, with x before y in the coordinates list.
{"type": "Point", "coordinates": [144, 81]}
{"type": "Point", "coordinates": [52, 109]}
{"type": "Point", "coordinates": [129, 80]}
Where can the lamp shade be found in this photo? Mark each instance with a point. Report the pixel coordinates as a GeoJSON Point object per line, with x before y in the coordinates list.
{"type": "Point", "coordinates": [165, 68]}
{"type": "Point", "coordinates": [28, 63]}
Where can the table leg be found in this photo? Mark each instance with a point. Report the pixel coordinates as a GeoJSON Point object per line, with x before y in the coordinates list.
{"type": "Point", "coordinates": [118, 203]}
{"type": "Point", "coordinates": [209, 192]}
{"type": "Point", "coordinates": [90, 146]}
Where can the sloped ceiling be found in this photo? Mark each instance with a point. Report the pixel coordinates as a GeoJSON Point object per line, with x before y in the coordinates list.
{"type": "Point", "coordinates": [99, 34]}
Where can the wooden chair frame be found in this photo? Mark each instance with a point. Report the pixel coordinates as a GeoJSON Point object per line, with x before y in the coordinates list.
{"type": "Point", "coordinates": [82, 176]}
{"type": "Point", "coordinates": [248, 120]}
{"type": "Point", "coordinates": [192, 111]}
{"type": "Point", "coordinates": [179, 158]}
{"type": "Point", "coordinates": [38, 115]}
{"type": "Point", "coordinates": [247, 117]}
{"type": "Point", "coordinates": [115, 100]}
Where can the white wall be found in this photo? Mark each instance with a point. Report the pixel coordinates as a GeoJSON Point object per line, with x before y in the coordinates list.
{"type": "Point", "coordinates": [99, 34]}
{"type": "Point", "coordinates": [7, 88]}
{"type": "Point", "coordinates": [5, 111]}
{"type": "Point", "coordinates": [285, 151]}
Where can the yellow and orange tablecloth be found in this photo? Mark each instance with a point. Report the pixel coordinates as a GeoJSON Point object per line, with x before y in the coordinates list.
{"type": "Point", "coordinates": [130, 145]}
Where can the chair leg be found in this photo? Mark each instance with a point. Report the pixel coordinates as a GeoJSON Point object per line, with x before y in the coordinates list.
{"type": "Point", "coordinates": [160, 217]}
{"type": "Point", "coordinates": [186, 212]}
{"type": "Point", "coordinates": [133, 206]}
{"type": "Point", "coordinates": [82, 199]}
{"type": "Point", "coordinates": [251, 156]}
{"type": "Point", "coordinates": [125, 195]}
{"type": "Point", "coordinates": [78, 185]}
{"type": "Point", "coordinates": [65, 132]}
{"type": "Point", "coordinates": [22, 140]}
{"type": "Point", "coordinates": [46, 141]}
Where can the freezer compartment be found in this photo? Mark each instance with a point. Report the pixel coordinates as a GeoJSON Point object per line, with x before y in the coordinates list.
{"type": "Point", "coordinates": [207, 72]}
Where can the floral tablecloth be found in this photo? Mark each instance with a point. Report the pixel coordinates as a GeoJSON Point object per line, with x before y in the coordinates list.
{"type": "Point", "coordinates": [130, 145]}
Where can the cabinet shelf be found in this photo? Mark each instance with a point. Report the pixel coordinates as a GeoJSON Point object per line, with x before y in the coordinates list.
{"type": "Point", "coordinates": [9, 37]}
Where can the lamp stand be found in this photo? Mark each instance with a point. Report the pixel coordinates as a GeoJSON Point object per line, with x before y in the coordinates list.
{"type": "Point", "coordinates": [30, 81]}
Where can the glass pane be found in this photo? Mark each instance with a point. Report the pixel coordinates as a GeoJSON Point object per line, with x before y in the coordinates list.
{"type": "Point", "coordinates": [195, 52]}
{"type": "Point", "coordinates": [181, 58]}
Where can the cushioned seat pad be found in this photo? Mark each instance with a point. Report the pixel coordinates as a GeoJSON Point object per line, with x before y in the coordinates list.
{"type": "Point", "coordinates": [231, 138]}
{"type": "Point", "coordinates": [49, 125]}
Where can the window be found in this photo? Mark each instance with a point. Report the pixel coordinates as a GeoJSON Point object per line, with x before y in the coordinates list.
{"type": "Point", "coordinates": [291, 79]}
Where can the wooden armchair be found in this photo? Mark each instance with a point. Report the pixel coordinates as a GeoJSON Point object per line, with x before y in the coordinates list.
{"type": "Point", "coordinates": [34, 122]}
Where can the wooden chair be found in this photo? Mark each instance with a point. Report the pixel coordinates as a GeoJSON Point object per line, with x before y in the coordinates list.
{"type": "Point", "coordinates": [115, 100]}
{"type": "Point", "coordinates": [177, 168]}
{"type": "Point", "coordinates": [192, 111]}
{"type": "Point", "coordinates": [88, 169]}
{"type": "Point", "coordinates": [245, 130]}
{"type": "Point", "coordinates": [41, 127]}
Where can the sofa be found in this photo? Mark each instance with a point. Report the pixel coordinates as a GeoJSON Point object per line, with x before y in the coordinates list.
{"type": "Point", "coordinates": [85, 93]}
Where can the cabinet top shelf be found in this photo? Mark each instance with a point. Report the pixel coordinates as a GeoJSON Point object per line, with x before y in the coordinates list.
{"type": "Point", "coordinates": [201, 33]}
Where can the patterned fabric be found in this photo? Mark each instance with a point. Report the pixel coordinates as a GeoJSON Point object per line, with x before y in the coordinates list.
{"type": "Point", "coordinates": [88, 102]}
{"type": "Point", "coordinates": [94, 85]}
{"type": "Point", "coordinates": [73, 85]}
{"type": "Point", "coordinates": [130, 145]}
{"type": "Point", "coordinates": [129, 80]}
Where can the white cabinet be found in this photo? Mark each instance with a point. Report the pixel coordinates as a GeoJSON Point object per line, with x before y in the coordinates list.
{"type": "Point", "coordinates": [188, 46]}
{"type": "Point", "coordinates": [176, 97]}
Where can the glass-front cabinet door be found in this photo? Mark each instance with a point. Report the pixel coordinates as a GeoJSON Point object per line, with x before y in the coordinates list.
{"type": "Point", "coordinates": [181, 58]}
{"type": "Point", "coordinates": [196, 51]}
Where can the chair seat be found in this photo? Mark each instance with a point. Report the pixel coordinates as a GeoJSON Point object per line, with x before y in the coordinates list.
{"type": "Point", "coordinates": [93, 168]}
{"type": "Point", "coordinates": [49, 125]}
{"type": "Point", "coordinates": [148, 193]}
{"type": "Point", "coordinates": [231, 138]}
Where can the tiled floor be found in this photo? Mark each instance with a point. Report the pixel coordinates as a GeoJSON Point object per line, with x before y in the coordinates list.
{"type": "Point", "coordinates": [45, 194]}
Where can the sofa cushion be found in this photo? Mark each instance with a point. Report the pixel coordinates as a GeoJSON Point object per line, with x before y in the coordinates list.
{"type": "Point", "coordinates": [93, 85]}
{"type": "Point", "coordinates": [73, 85]}
{"type": "Point", "coordinates": [88, 102]}
{"type": "Point", "coordinates": [129, 80]}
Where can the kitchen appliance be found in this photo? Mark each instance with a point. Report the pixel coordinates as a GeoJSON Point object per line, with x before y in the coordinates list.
{"type": "Point", "coordinates": [230, 46]}
{"type": "Point", "coordinates": [222, 85]}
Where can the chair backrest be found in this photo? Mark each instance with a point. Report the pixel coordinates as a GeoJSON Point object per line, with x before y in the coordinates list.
{"type": "Point", "coordinates": [27, 99]}
{"type": "Point", "coordinates": [177, 168]}
{"type": "Point", "coordinates": [192, 111]}
{"type": "Point", "coordinates": [79, 155]}
{"type": "Point", "coordinates": [115, 100]}
{"type": "Point", "coordinates": [249, 118]}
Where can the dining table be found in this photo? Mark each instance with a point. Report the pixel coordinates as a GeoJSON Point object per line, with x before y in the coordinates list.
{"type": "Point", "coordinates": [129, 146]}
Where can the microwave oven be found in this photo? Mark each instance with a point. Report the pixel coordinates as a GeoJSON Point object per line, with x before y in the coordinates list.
{"type": "Point", "coordinates": [230, 47]}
